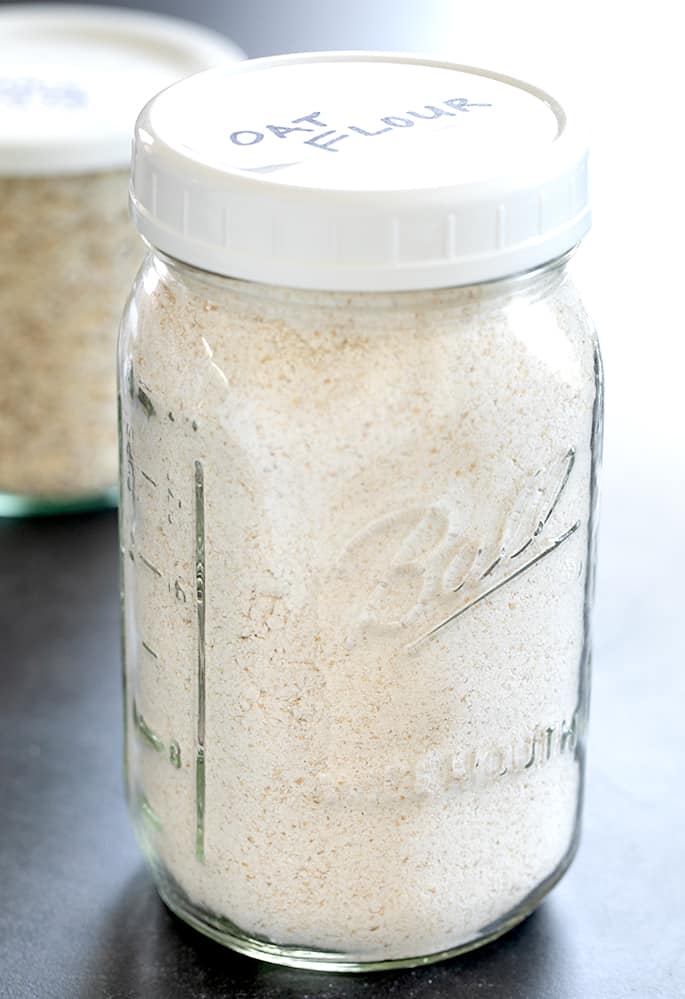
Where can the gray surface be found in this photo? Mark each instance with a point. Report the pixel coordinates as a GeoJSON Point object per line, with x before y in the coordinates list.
{"type": "Point", "coordinates": [79, 918]}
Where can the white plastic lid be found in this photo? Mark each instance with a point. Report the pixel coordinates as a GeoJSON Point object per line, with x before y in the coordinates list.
{"type": "Point", "coordinates": [359, 171]}
{"type": "Point", "coordinates": [73, 79]}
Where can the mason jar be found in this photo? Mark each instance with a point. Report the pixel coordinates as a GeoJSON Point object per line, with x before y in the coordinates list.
{"type": "Point", "coordinates": [360, 429]}
{"type": "Point", "coordinates": [72, 82]}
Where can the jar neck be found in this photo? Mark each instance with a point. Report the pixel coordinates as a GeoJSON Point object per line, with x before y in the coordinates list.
{"type": "Point", "coordinates": [531, 285]}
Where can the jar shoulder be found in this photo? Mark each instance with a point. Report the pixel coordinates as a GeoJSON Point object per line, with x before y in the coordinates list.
{"type": "Point", "coordinates": [241, 352]}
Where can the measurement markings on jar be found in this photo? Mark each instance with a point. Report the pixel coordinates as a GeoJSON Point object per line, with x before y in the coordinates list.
{"type": "Point", "coordinates": [145, 400]}
{"type": "Point", "coordinates": [148, 477]}
{"type": "Point", "coordinates": [148, 563]}
{"type": "Point", "coordinates": [142, 502]}
{"type": "Point", "coordinates": [201, 692]}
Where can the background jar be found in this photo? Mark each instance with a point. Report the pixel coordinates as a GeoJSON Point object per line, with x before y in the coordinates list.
{"type": "Point", "coordinates": [357, 522]}
{"type": "Point", "coordinates": [73, 80]}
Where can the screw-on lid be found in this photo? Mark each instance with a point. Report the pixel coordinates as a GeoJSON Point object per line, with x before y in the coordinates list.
{"type": "Point", "coordinates": [359, 171]}
{"type": "Point", "coordinates": [73, 79]}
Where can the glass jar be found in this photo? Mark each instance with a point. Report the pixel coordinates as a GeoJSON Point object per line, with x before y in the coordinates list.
{"type": "Point", "coordinates": [68, 251]}
{"type": "Point", "coordinates": [357, 538]}
{"type": "Point", "coordinates": [58, 444]}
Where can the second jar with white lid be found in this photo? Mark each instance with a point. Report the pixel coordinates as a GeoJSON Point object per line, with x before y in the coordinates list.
{"type": "Point", "coordinates": [72, 81]}
{"type": "Point", "coordinates": [361, 412]}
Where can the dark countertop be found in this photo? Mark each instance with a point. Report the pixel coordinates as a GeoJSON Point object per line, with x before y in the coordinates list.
{"type": "Point", "coordinates": [79, 918]}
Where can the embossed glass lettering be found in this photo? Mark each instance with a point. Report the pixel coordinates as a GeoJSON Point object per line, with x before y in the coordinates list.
{"type": "Point", "coordinates": [435, 559]}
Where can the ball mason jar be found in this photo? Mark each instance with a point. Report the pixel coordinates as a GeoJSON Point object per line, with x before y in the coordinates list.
{"type": "Point", "coordinates": [360, 436]}
{"type": "Point", "coordinates": [73, 81]}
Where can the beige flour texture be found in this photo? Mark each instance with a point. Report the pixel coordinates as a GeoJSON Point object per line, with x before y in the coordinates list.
{"type": "Point", "coordinates": [68, 254]}
{"type": "Point", "coordinates": [364, 460]}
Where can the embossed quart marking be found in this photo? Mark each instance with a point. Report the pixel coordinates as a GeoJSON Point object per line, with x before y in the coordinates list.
{"type": "Point", "coordinates": [441, 770]}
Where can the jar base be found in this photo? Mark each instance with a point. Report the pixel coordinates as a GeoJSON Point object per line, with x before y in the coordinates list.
{"type": "Point", "coordinates": [18, 505]}
{"type": "Point", "coordinates": [223, 931]}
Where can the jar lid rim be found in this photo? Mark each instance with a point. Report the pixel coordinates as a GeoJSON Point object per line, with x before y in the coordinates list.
{"type": "Point", "coordinates": [74, 77]}
{"type": "Point", "coordinates": [241, 171]}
